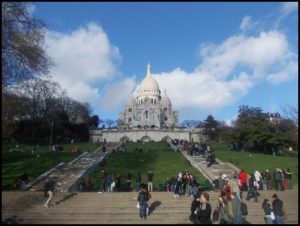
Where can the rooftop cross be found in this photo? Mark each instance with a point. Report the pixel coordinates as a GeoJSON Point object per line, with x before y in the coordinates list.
{"type": "Point", "coordinates": [148, 69]}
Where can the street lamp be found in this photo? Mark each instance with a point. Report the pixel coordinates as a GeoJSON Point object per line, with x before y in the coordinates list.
{"type": "Point", "coordinates": [51, 135]}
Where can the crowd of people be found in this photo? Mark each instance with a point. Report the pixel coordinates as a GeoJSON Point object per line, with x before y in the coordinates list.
{"type": "Point", "coordinates": [112, 183]}
{"type": "Point", "coordinates": [184, 183]}
{"type": "Point", "coordinates": [230, 209]}
{"type": "Point", "coordinates": [201, 149]}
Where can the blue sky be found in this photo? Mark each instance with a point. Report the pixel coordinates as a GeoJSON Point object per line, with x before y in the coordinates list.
{"type": "Point", "coordinates": [210, 57]}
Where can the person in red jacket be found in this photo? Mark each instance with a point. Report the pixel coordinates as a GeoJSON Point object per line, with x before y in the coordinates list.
{"type": "Point", "coordinates": [243, 180]}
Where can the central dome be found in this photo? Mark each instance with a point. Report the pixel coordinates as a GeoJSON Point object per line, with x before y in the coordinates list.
{"type": "Point", "coordinates": [148, 89]}
{"type": "Point", "coordinates": [149, 83]}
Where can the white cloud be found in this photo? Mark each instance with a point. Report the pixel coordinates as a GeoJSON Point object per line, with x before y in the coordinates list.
{"type": "Point", "coordinates": [82, 57]}
{"type": "Point", "coordinates": [288, 73]}
{"type": "Point", "coordinates": [116, 93]}
{"type": "Point", "coordinates": [229, 70]}
{"type": "Point", "coordinates": [84, 93]}
{"type": "Point", "coordinates": [201, 90]}
{"type": "Point", "coordinates": [257, 53]}
{"type": "Point", "coordinates": [246, 23]}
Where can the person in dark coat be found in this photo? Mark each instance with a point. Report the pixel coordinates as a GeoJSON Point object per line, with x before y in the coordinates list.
{"type": "Point", "coordinates": [252, 189]}
{"type": "Point", "coordinates": [49, 190]}
{"type": "Point", "coordinates": [266, 205]}
{"type": "Point", "coordinates": [143, 199]}
{"type": "Point", "coordinates": [277, 205]}
{"type": "Point", "coordinates": [194, 206]}
{"type": "Point", "coordinates": [204, 211]}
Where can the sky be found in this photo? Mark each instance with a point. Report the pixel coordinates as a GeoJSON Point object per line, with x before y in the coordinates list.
{"type": "Point", "coordinates": [210, 57]}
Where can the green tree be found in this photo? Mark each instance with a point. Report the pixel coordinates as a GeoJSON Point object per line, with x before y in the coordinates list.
{"type": "Point", "coordinates": [210, 126]}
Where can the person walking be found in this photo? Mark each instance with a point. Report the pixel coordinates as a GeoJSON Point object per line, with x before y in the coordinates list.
{"type": "Point", "coordinates": [269, 214]}
{"type": "Point", "coordinates": [150, 180]}
{"type": "Point", "coordinates": [204, 211]}
{"type": "Point", "coordinates": [277, 206]}
{"type": "Point", "coordinates": [243, 181]}
{"type": "Point", "coordinates": [148, 199]}
{"type": "Point", "coordinates": [223, 211]}
{"type": "Point", "coordinates": [194, 206]}
{"type": "Point", "coordinates": [234, 185]}
{"type": "Point", "coordinates": [252, 189]}
{"type": "Point", "coordinates": [236, 209]}
{"type": "Point", "coordinates": [142, 199]}
{"type": "Point", "coordinates": [49, 190]}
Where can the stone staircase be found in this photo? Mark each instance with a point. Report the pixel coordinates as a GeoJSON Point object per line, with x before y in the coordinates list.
{"type": "Point", "coordinates": [212, 172]}
{"type": "Point", "coordinates": [69, 174]}
{"type": "Point", "coordinates": [120, 208]}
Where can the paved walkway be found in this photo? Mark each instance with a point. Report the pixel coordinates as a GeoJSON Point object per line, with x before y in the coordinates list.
{"type": "Point", "coordinates": [69, 174]}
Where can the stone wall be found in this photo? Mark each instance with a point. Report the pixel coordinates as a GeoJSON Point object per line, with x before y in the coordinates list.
{"type": "Point", "coordinates": [115, 135]}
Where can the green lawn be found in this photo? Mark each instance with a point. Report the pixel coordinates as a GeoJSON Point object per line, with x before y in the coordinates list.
{"type": "Point", "coordinates": [257, 161]}
{"type": "Point", "coordinates": [161, 159]}
{"type": "Point", "coordinates": [15, 163]}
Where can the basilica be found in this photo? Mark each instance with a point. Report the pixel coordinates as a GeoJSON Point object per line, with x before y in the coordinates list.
{"type": "Point", "coordinates": [149, 109]}
{"type": "Point", "coordinates": [147, 116]}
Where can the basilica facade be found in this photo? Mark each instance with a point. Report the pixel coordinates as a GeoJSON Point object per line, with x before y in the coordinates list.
{"type": "Point", "coordinates": [149, 109]}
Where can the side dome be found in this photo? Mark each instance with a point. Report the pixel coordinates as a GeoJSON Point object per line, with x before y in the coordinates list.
{"type": "Point", "coordinates": [165, 100]}
{"type": "Point", "coordinates": [131, 100]}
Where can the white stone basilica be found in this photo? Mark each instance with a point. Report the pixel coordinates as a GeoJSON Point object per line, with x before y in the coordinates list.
{"type": "Point", "coordinates": [149, 109]}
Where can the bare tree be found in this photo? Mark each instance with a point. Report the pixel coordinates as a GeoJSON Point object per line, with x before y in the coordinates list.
{"type": "Point", "coordinates": [190, 123]}
{"type": "Point", "coordinates": [41, 95]}
{"type": "Point", "coordinates": [110, 122]}
{"type": "Point", "coordinates": [23, 53]}
{"type": "Point", "coordinates": [290, 112]}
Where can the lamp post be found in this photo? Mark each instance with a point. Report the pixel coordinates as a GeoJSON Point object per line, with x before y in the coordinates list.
{"type": "Point", "coordinates": [51, 135]}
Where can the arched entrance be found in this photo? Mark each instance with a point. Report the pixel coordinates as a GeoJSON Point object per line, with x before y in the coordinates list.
{"type": "Point", "coordinates": [124, 139]}
{"type": "Point", "coordinates": [146, 139]}
{"type": "Point", "coordinates": [166, 138]}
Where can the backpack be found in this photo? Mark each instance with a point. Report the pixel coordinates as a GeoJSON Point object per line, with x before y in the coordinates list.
{"type": "Point", "coordinates": [244, 209]}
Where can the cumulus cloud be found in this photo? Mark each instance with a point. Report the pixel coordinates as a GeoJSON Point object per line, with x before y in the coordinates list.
{"type": "Point", "coordinates": [82, 92]}
{"type": "Point", "coordinates": [116, 93]}
{"type": "Point", "coordinates": [82, 57]}
{"type": "Point", "coordinates": [229, 70]}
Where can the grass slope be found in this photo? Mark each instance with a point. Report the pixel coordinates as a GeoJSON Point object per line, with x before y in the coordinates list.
{"type": "Point", "coordinates": [15, 163]}
{"type": "Point", "coordinates": [257, 161]}
{"type": "Point", "coordinates": [156, 156]}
